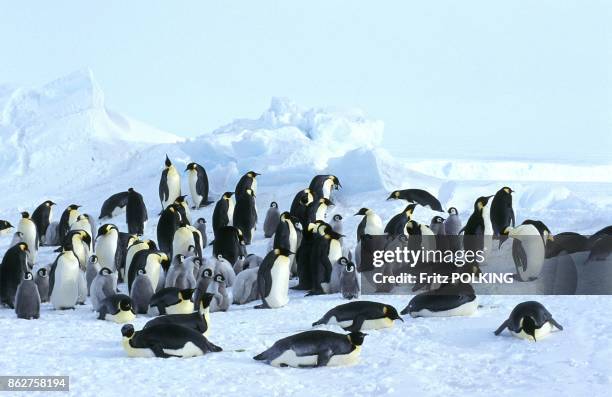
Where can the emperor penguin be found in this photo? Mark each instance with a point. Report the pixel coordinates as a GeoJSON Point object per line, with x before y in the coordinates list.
{"type": "Point", "coordinates": [117, 308]}
{"type": "Point", "coordinates": [222, 298]}
{"type": "Point", "coordinates": [169, 221]}
{"type": "Point", "coordinates": [370, 225]}
{"type": "Point", "coordinates": [317, 210]}
{"type": "Point", "coordinates": [42, 216]}
{"type": "Point", "coordinates": [69, 216]}
{"type": "Point", "coordinates": [102, 286]}
{"type": "Point", "coordinates": [169, 184]}
{"type": "Point", "coordinates": [285, 236]}
{"type": "Point", "coordinates": [42, 282]}
{"type": "Point", "coordinates": [27, 298]}
{"type": "Point", "coordinates": [198, 320]}
{"type": "Point", "coordinates": [452, 226]}
{"type": "Point", "coordinates": [349, 281]}
{"type": "Point", "coordinates": [529, 320]}
{"type": "Point", "coordinates": [223, 267]}
{"type": "Point", "coordinates": [198, 185]}
{"type": "Point", "coordinates": [299, 206]}
{"type": "Point", "coordinates": [273, 279]}
{"type": "Point", "coordinates": [12, 269]}
{"type": "Point", "coordinates": [82, 223]}
{"type": "Point", "coordinates": [114, 205]}
{"type": "Point", "coordinates": [528, 248]}
{"type": "Point", "coordinates": [27, 227]}
{"type": "Point", "coordinates": [165, 340]}
{"type": "Point", "coordinates": [272, 220]}
{"type": "Point", "coordinates": [245, 287]}
{"type": "Point", "coordinates": [5, 228]}
{"type": "Point", "coordinates": [437, 227]}
{"type": "Point", "coordinates": [106, 245]}
{"type": "Point", "coordinates": [183, 208]}
{"type": "Point", "coordinates": [136, 215]}
{"type": "Point", "coordinates": [417, 196]}
{"type": "Point", "coordinates": [247, 181]}
{"type": "Point", "coordinates": [65, 292]}
{"type": "Point", "coordinates": [322, 186]}
{"type": "Point", "coordinates": [229, 242]}
{"type": "Point", "coordinates": [337, 269]}
{"type": "Point", "coordinates": [397, 223]}
{"type": "Point", "coordinates": [245, 215]}
{"type": "Point", "coordinates": [360, 315]}
{"type": "Point", "coordinates": [326, 252]}
{"type": "Point", "coordinates": [17, 238]}
{"type": "Point", "coordinates": [223, 214]}
{"type": "Point", "coordinates": [154, 262]}
{"type": "Point", "coordinates": [141, 293]}
{"type": "Point", "coordinates": [180, 274]}
{"type": "Point", "coordinates": [185, 239]}
{"type": "Point", "coordinates": [78, 241]}
{"type": "Point", "coordinates": [172, 300]}
{"type": "Point", "coordinates": [135, 247]}
{"type": "Point", "coordinates": [447, 301]}
{"type": "Point", "coordinates": [336, 223]}
{"type": "Point", "coordinates": [314, 349]}
{"type": "Point", "coordinates": [474, 229]}
{"type": "Point", "coordinates": [201, 226]}
{"type": "Point", "coordinates": [93, 268]}
{"type": "Point", "coordinates": [52, 237]}
{"type": "Point", "coordinates": [501, 211]}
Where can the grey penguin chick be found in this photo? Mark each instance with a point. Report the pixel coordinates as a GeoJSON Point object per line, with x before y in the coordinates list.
{"type": "Point", "coordinates": [17, 238]}
{"type": "Point", "coordinates": [102, 286]}
{"type": "Point", "coordinates": [42, 282]}
{"type": "Point", "coordinates": [52, 235]}
{"type": "Point", "coordinates": [452, 224]}
{"type": "Point", "coordinates": [337, 223]}
{"type": "Point", "coordinates": [204, 282]}
{"type": "Point", "coordinates": [222, 299]}
{"type": "Point", "coordinates": [141, 293]}
{"type": "Point", "coordinates": [336, 273]}
{"type": "Point", "coordinates": [239, 264]}
{"type": "Point", "coordinates": [272, 220]}
{"type": "Point", "coordinates": [27, 298]}
{"type": "Point", "coordinates": [93, 268]}
{"type": "Point", "coordinates": [349, 282]}
{"type": "Point", "coordinates": [201, 226]}
{"type": "Point", "coordinates": [180, 273]}
{"type": "Point", "coordinates": [245, 286]}
{"type": "Point", "coordinates": [222, 266]}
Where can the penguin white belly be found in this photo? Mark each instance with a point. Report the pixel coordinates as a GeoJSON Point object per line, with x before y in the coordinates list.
{"type": "Point", "coordinates": [65, 290]}
{"type": "Point", "coordinates": [254, 186]}
{"type": "Point", "coordinates": [327, 188]}
{"type": "Point", "coordinates": [321, 213]}
{"type": "Point", "coordinates": [106, 249]}
{"type": "Point", "coordinates": [28, 228]}
{"type": "Point", "coordinates": [82, 253]}
{"type": "Point", "coordinates": [374, 226]}
{"type": "Point", "coordinates": [377, 323]}
{"type": "Point", "coordinates": [467, 309]}
{"type": "Point", "coordinates": [183, 307]}
{"type": "Point", "coordinates": [174, 186]}
{"type": "Point", "coordinates": [343, 324]}
{"type": "Point", "coordinates": [291, 359]}
{"type": "Point", "coordinates": [488, 229]}
{"type": "Point", "coordinates": [230, 211]}
{"type": "Point", "coordinates": [335, 251]}
{"type": "Point", "coordinates": [117, 211]}
{"type": "Point", "coordinates": [122, 317]}
{"type": "Point", "coordinates": [81, 225]}
{"type": "Point", "coordinates": [207, 319]}
{"type": "Point", "coordinates": [153, 270]}
{"type": "Point", "coordinates": [292, 237]}
{"type": "Point", "coordinates": [136, 352]}
{"type": "Point", "coordinates": [540, 333]}
{"type": "Point", "coordinates": [72, 217]}
{"type": "Point", "coordinates": [193, 180]}
{"type": "Point", "coordinates": [189, 350]}
{"type": "Point", "coordinates": [183, 238]}
{"type": "Point", "coordinates": [345, 359]}
{"type": "Point", "coordinates": [278, 296]}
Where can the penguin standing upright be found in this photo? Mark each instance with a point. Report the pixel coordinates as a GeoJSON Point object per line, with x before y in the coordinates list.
{"type": "Point", "coordinates": [299, 206]}
{"type": "Point", "coordinates": [198, 185]}
{"type": "Point", "coordinates": [135, 247]}
{"type": "Point", "coordinates": [29, 235]}
{"type": "Point", "coordinates": [229, 243]}
{"type": "Point", "coordinates": [452, 226]}
{"type": "Point", "coordinates": [327, 250]}
{"type": "Point", "coordinates": [273, 279]}
{"type": "Point", "coordinates": [93, 268]}
{"type": "Point", "coordinates": [370, 225]}
{"type": "Point", "coordinates": [65, 290]}
{"type": "Point", "coordinates": [183, 207]}
{"type": "Point", "coordinates": [349, 282]}
{"type": "Point", "coordinates": [303, 259]}
{"type": "Point", "coordinates": [169, 184]}
{"type": "Point", "coordinates": [272, 220]}
{"type": "Point", "coordinates": [12, 269]}
{"type": "Point", "coordinates": [223, 214]}
{"type": "Point", "coordinates": [474, 229]}
{"type": "Point", "coordinates": [106, 245]}
{"type": "Point", "coordinates": [245, 215]}
{"type": "Point", "coordinates": [437, 227]}
{"type": "Point", "coordinates": [322, 186]}
{"type": "Point", "coordinates": [123, 242]}
{"type": "Point", "coordinates": [247, 181]}
{"type": "Point", "coordinates": [285, 236]}
{"type": "Point", "coordinates": [82, 223]}
{"type": "Point", "coordinates": [135, 213]}
{"type": "Point", "coordinates": [336, 223]}
{"type": "Point", "coordinates": [528, 248]}
{"type": "Point", "coordinates": [154, 262]}
{"type": "Point", "coordinates": [27, 298]}
{"type": "Point", "coordinates": [201, 226]}
{"type": "Point", "coordinates": [180, 274]}
{"type": "Point", "coordinates": [502, 214]}
{"type": "Point", "coordinates": [42, 216]}
{"type": "Point", "coordinates": [397, 223]}
{"type": "Point", "coordinates": [317, 210]}
{"type": "Point", "coordinates": [113, 205]}
{"type": "Point", "coordinates": [69, 216]}
{"type": "Point", "coordinates": [42, 283]}
{"type": "Point", "coordinates": [141, 292]}
{"type": "Point", "coordinates": [102, 286]}
{"type": "Point", "coordinates": [169, 221]}
{"type": "Point", "coordinates": [222, 298]}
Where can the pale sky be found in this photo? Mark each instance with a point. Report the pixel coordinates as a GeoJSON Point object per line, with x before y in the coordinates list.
{"type": "Point", "coordinates": [511, 78]}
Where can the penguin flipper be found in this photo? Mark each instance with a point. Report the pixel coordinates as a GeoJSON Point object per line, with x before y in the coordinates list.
{"type": "Point", "coordinates": [357, 324]}
{"type": "Point", "coordinates": [159, 352]}
{"type": "Point", "coordinates": [323, 357]}
{"type": "Point", "coordinates": [501, 328]}
{"type": "Point", "coordinates": [556, 324]}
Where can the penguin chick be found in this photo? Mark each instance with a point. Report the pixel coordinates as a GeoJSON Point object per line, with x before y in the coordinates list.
{"type": "Point", "coordinates": [272, 220]}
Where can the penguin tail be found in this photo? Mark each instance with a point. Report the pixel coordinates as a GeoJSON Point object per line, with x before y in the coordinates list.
{"type": "Point", "coordinates": [261, 356]}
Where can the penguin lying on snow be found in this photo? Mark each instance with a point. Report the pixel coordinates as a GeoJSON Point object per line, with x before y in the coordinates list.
{"type": "Point", "coordinates": [449, 300]}
{"type": "Point", "coordinates": [314, 349]}
{"type": "Point", "coordinates": [198, 320]}
{"type": "Point", "coordinates": [360, 315]}
{"type": "Point", "coordinates": [171, 300]}
{"type": "Point", "coordinates": [117, 308]}
{"type": "Point", "coordinates": [165, 340]}
{"type": "Point", "coordinates": [529, 320]}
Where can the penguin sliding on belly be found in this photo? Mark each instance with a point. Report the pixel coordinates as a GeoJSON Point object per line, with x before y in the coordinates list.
{"type": "Point", "coordinates": [165, 340]}
{"type": "Point", "coordinates": [449, 300]}
{"type": "Point", "coordinates": [360, 315]}
{"type": "Point", "coordinates": [198, 320]}
{"type": "Point", "coordinates": [529, 320]}
{"type": "Point", "coordinates": [314, 349]}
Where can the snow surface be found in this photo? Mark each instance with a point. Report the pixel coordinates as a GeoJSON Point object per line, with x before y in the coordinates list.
{"type": "Point", "coordinates": [60, 142]}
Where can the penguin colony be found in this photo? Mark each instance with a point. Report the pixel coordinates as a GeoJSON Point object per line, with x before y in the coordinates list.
{"type": "Point", "coordinates": [171, 281]}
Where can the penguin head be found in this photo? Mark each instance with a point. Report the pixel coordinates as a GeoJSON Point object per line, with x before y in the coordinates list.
{"type": "Point", "coordinates": [28, 276]}
{"type": "Point", "coordinates": [480, 203]}
{"type": "Point", "coordinates": [73, 207]}
{"type": "Point", "coordinates": [42, 272]}
{"type": "Point", "coordinates": [363, 211]}
{"type": "Point", "coordinates": [219, 278]}
{"type": "Point", "coordinates": [507, 190]}
{"type": "Point", "coordinates": [205, 300]}
{"type": "Point", "coordinates": [227, 195]}
{"type": "Point", "coordinates": [282, 252]}
{"type": "Point", "coordinates": [307, 197]}
{"type": "Point", "coordinates": [191, 166]}
{"type": "Point", "coordinates": [25, 215]}
{"type": "Point", "coordinates": [207, 273]}
{"type": "Point", "coordinates": [528, 325]}
{"type": "Point", "coordinates": [197, 261]}
{"type": "Point", "coordinates": [252, 174]}
{"type": "Point", "coordinates": [411, 227]}
{"type": "Point", "coordinates": [343, 261]}
{"type": "Point", "coordinates": [273, 204]}
{"type": "Point", "coordinates": [164, 260]}
{"type": "Point", "coordinates": [84, 236]}
{"type": "Point", "coordinates": [285, 216]}
{"type": "Point", "coordinates": [337, 217]}
{"type": "Point", "coordinates": [106, 228]}
{"type": "Point", "coordinates": [350, 267]}
{"type": "Point", "coordinates": [5, 225]}
{"type": "Point", "coordinates": [437, 219]}
{"type": "Point", "coordinates": [356, 338]}
{"type": "Point", "coordinates": [180, 199]}
{"type": "Point", "coordinates": [125, 305]}
{"type": "Point", "coordinates": [335, 181]}
{"type": "Point", "coordinates": [186, 294]}
{"type": "Point", "coordinates": [394, 195]}
{"type": "Point", "coordinates": [201, 221]}
{"type": "Point", "coordinates": [142, 272]}
{"type": "Point", "coordinates": [330, 234]}
{"type": "Point", "coordinates": [452, 211]}
{"type": "Point", "coordinates": [179, 258]}
{"type": "Point", "coordinates": [105, 271]}
{"type": "Point", "coordinates": [168, 163]}
{"type": "Point", "coordinates": [93, 259]}
{"type": "Point", "coordinates": [23, 247]}
{"type": "Point", "coordinates": [391, 313]}
{"type": "Point", "coordinates": [322, 227]}
{"type": "Point", "coordinates": [151, 244]}
{"type": "Point", "coordinates": [409, 210]}
{"type": "Point", "coordinates": [327, 202]}
{"type": "Point", "coordinates": [127, 331]}
{"type": "Point", "coordinates": [49, 203]}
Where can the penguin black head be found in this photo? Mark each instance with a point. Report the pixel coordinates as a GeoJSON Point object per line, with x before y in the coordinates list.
{"type": "Point", "coordinates": [327, 202]}
{"type": "Point", "coordinates": [131, 190]}
{"type": "Point", "coordinates": [337, 217]}
{"type": "Point", "coordinates": [23, 247]}
{"type": "Point", "coordinates": [336, 181]}
{"type": "Point", "coordinates": [390, 312]}
{"type": "Point", "coordinates": [42, 272]}
{"type": "Point", "coordinates": [343, 261]}
{"type": "Point", "coordinates": [273, 204]}
{"type": "Point", "coordinates": [252, 174]}
{"type": "Point", "coordinates": [49, 203]}
{"type": "Point", "coordinates": [227, 195]}
{"type": "Point", "coordinates": [180, 199]}
{"type": "Point", "coordinates": [28, 276]}
{"type": "Point", "coordinates": [529, 327]}
{"type": "Point", "coordinates": [282, 252]}
{"type": "Point", "coordinates": [331, 234]}
{"type": "Point", "coordinates": [106, 228]}
{"type": "Point", "coordinates": [151, 244]}
{"type": "Point", "coordinates": [219, 278]}
{"type": "Point", "coordinates": [205, 299]}
{"type": "Point", "coordinates": [207, 273]}
{"type": "Point", "coordinates": [481, 202]}
{"type": "Point", "coordinates": [125, 304]}
{"type": "Point", "coordinates": [164, 260]}
{"type": "Point", "coordinates": [25, 214]}
{"type": "Point", "coordinates": [394, 195]}
{"type": "Point", "coordinates": [410, 209]}
{"type": "Point", "coordinates": [363, 211]}
{"type": "Point", "coordinates": [452, 211]}
{"type": "Point", "coordinates": [437, 219]}
{"type": "Point", "coordinates": [127, 331]}
{"type": "Point", "coordinates": [105, 271]}
{"type": "Point", "coordinates": [197, 261]}
{"type": "Point", "coordinates": [507, 190]}
{"type": "Point", "coordinates": [350, 267]}
{"type": "Point", "coordinates": [168, 162]}
{"type": "Point", "coordinates": [191, 166]}
{"type": "Point", "coordinates": [5, 225]}
{"type": "Point", "coordinates": [74, 207]}
{"type": "Point", "coordinates": [356, 338]}
{"type": "Point", "coordinates": [186, 294]}
{"type": "Point", "coordinates": [142, 272]}
{"type": "Point", "coordinates": [201, 221]}
{"type": "Point", "coordinates": [85, 237]}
